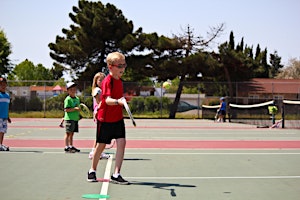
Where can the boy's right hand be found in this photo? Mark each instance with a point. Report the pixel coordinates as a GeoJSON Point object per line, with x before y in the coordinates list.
{"type": "Point", "coordinates": [77, 108]}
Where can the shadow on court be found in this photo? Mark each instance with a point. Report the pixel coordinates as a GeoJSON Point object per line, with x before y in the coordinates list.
{"type": "Point", "coordinates": [164, 186]}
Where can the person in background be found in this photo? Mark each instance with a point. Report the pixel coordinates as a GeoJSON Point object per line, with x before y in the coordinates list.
{"type": "Point", "coordinates": [97, 94]}
{"type": "Point", "coordinates": [71, 107]}
{"type": "Point", "coordinates": [222, 110]}
{"type": "Point", "coordinates": [4, 112]}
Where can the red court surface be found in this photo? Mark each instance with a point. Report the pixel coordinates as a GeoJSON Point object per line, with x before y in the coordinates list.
{"type": "Point", "coordinates": [155, 133]}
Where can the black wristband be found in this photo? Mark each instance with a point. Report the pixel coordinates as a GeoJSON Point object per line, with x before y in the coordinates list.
{"type": "Point", "coordinates": [117, 102]}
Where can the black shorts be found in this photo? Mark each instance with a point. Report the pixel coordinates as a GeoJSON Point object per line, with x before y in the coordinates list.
{"type": "Point", "coordinates": [222, 112]}
{"type": "Point", "coordinates": [71, 126]}
{"type": "Point", "coordinates": [106, 131]}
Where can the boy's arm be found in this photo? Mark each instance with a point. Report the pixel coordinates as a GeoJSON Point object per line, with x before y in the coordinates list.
{"type": "Point", "coordinates": [113, 102]}
{"type": "Point", "coordinates": [72, 109]}
{"type": "Point", "coordinates": [9, 106]}
{"type": "Point", "coordinates": [68, 106]}
{"type": "Point", "coordinates": [98, 100]}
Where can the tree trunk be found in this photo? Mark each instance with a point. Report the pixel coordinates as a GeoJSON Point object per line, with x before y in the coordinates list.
{"type": "Point", "coordinates": [227, 75]}
{"type": "Point", "coordinates": [173, 109]}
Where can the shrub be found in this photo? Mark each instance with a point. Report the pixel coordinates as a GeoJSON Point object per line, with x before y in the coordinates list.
{"type": "Point", "coordinates": [149, 104]}
{"type": "Point", "coordinates": [34, 104]}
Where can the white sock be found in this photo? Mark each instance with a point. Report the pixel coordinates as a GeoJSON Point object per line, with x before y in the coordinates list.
{"type": "Point", "coordinates": [116, 175]}
{"type": "Point", "coordinates": [91, 170]}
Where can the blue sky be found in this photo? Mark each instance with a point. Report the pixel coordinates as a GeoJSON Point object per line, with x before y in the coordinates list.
{"type": "Point", "coordinates": [30, 25]}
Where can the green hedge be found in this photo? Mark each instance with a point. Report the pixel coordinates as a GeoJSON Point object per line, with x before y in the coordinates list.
{"type": "Point", "coordinates": [149, 104]}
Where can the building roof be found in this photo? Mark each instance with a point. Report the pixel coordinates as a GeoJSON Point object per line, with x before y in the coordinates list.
{"type": "Point", "coordinates": [57, 88]}
{"type": "Point", "coordinates": [45, 88]}
{"type": "Point", "coordinates": [273, 86]}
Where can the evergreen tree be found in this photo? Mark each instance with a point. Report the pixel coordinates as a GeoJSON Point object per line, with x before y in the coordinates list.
{"type": "Point", "coordinates": [97, 30]}
{"type": "Point", "coordinates": [275, 61]}
{"type": "Point", "coordinates": [231, 41]}
{"type": "Point", "coordinates": [5, 51]}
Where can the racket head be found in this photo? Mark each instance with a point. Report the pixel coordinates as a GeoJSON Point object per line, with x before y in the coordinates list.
{"type": "Point", "coordinates": [84, 111]}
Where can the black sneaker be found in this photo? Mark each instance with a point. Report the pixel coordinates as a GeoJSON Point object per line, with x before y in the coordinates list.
{"type": "Point", "coordinates": [92, 177]}
{"type": "Point", "coordinates": [4, 148]}
{"type": "Point", "coordinates": [119, 180]}
{"type": "Point", "coordinates": [75, 149]}
{"type": "Point", "coordinates": [69, 150]}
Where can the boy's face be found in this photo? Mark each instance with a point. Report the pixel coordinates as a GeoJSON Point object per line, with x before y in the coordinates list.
{"type": "Point", "coordinates": [72, 91]}
{"type": "Point", "coordinates": [3, 85]}
{"type": "Point", "coordinates": [118, 68]}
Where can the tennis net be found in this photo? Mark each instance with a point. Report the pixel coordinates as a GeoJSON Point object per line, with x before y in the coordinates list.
{"type": "Point", "coordinates": [209, 112]}
{"type": "Point", "coordinates": [290, 114]}
{"type": "Point", "coordinates": [256, 114]}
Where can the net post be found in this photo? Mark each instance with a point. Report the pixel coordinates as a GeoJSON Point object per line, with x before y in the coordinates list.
{"type": "Point", "coordinates": [228, 111]}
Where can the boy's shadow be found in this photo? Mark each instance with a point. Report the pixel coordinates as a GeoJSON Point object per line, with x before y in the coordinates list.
{"type": "Point", "coordinates": [162, 186]}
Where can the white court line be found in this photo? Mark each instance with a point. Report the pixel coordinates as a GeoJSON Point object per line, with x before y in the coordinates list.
{"type": "Point", "coordinates": [104, 188]}
{"type": "Point", "coordinates": [216, 177]}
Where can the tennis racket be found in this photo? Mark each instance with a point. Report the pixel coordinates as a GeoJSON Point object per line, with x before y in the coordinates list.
{"type": "Point", "coordinates": [128, 110]}
{"type": "Point", "coordinates": [217, 115]}
{"type": "Point", "coordinates": [84, 111]}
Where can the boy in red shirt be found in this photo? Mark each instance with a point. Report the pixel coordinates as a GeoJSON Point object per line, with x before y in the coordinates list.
{"type": "Point", "coordinates": [110, 122]}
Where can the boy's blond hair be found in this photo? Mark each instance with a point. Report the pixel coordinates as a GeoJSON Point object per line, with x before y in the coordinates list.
{"type": "Point", "coordinates": [113, 57]}
{"type": "Point", "coordinates": [97, 76]}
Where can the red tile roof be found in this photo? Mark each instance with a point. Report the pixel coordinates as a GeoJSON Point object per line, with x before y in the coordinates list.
{"type": "Point", "coordinates": [44, 88]}
{"type": "Point", "coordinates": [278, 86]}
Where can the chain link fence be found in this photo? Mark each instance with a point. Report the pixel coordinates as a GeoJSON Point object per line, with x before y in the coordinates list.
{"type": "Point", "coordinates": [153, 100]}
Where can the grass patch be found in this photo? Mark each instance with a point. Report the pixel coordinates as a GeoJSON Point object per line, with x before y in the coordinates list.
{"type": "Point", "coordinates": [37, 114]}
{"type": "Point", "coordinates": [60, 114]}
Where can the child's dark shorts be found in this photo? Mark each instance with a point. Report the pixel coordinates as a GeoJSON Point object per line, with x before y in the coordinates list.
{"type": "Point", "coordinates": [71, 126]}
{"type": "Point", "coordinates": [222, 112]}
{"type": "Point", "coordinates": [106, 131]}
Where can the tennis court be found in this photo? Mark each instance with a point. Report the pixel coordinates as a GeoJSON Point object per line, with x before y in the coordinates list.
{"type": "Point", "coordinates": [165, 159]}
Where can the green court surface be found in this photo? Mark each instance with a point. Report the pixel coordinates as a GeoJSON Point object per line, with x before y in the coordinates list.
{"type": "Point", "coordinates": [217, 172]}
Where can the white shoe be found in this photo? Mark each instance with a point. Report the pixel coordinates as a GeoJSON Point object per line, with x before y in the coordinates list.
{"type": "Point", "coordinates": [104, 156]}
{"type": "Point", "coordinates": [91, 154]}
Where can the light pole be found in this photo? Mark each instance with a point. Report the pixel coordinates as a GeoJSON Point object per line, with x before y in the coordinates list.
{"type": "Point", "coordinates": [199, 75]}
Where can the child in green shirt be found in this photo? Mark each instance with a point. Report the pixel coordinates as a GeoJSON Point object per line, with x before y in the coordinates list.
{"type": "Point", "coordinates": [71, 107]}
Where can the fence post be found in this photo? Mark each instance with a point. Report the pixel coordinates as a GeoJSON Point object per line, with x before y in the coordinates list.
{"type": "Point", "coordinates": [44, 100]}
{"type": "Point", "coordinates": [161, 101]}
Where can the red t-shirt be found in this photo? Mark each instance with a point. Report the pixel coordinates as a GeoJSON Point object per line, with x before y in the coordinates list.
{"type": "Point", "coordinates": [111, 88]}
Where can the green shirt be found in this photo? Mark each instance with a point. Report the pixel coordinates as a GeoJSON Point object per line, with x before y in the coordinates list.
{"type": "Point", "coordinates": [71, 102]}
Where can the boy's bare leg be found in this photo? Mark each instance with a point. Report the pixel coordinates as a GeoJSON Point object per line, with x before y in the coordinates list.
{"type": "Point", "coordinates": [67, 139]}
{"type": "Point", "coordinates": [97, 153]}
{"type": "Point", "coordinates": [1, 137]}
{"type": "Point", "coordinates": [71, 139]}
{"type": "Point", "coordinates": [121, 143]}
